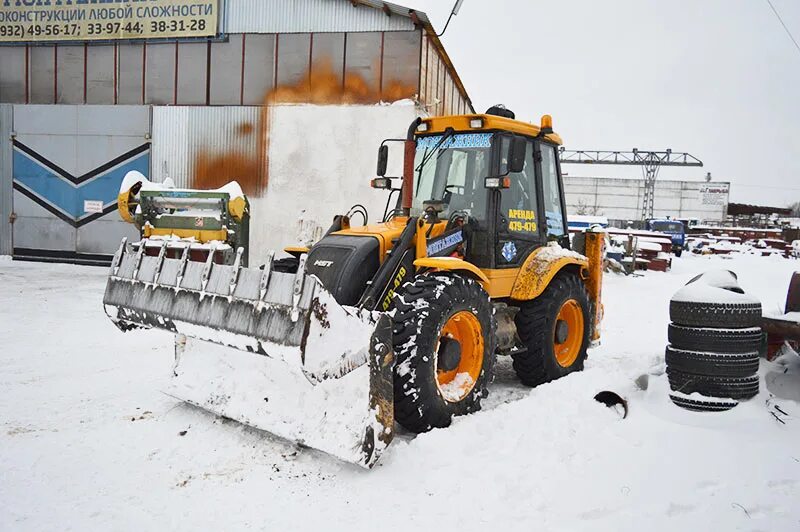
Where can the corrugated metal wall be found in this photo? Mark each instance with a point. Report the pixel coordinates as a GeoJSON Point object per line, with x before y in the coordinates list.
{"type": "Point", "coordinates": [437, 88]}
{"type": "Point", "coordinates": [291, 16]}
{"type": "Point", "coordinates": [6, 126]}
{"type": "Point", "coordinates": [225, 139]}
{"type": "Point", "coordinates": [239, 71]}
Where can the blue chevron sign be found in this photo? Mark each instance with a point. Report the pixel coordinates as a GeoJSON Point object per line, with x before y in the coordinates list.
{"type": "Point", "coordinates": [62, 193]}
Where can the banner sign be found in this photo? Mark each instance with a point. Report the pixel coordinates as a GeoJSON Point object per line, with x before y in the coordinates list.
{"type": "Point", "coordinates": [102, 20]}
{"type": "Point", "coordinates": [714, 193]}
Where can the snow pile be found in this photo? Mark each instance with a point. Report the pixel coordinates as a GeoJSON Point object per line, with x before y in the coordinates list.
{"type": "Point", "coordinates": [719, 278]}
{"type": "Point", "coordinates": [89, 442]}
{"type": "Point", "coordinates": [704, 293]}
{"type": "Point", "coordinates": [716, 287]}
{"type": "Point", "coordinates": [649, 246]}
{"type": "Point", "coordinates": [233, 189]}
{"type": "Point", "coordinates": [553, 251]}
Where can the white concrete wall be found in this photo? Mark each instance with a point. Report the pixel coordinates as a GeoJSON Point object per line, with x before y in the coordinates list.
{"type": "Point", "coordinates": [621, 199]}
{"type": "Point", "coordinates": [321, 160]}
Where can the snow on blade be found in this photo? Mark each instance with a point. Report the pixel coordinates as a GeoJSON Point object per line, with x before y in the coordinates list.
{"type": "Point", "coordinates": [332, 416]}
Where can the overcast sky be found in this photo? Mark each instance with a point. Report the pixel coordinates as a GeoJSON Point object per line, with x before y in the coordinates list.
{"type": "Point", "coordinates": [719, 79]}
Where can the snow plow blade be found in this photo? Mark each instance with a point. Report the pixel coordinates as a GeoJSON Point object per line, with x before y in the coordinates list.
{"type": "Point", "coordinates": [269, 349]}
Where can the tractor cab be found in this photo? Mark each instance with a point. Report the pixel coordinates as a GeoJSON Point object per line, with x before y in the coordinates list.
{"type": "Point", "coordinates": [496, 177]}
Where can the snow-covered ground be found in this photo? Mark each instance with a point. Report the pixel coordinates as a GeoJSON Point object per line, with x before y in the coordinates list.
{"type": "Point", "coordinates": [88, 442]}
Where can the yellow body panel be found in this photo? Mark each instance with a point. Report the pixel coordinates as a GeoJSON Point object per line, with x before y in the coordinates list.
{"type": "Point", "coordinates": [237, 208]}
{"type": "Point", "coordinates": [385, 233]}
{"type": "Point", "coordinates": [595, 245]}
{"type": "Point", "coordinates": [452, 264]}
{"type": "Point", "coordinates": [501, 282]}
{"type": "Point", "coordinates": [201, 235]}
{"type": "Point", "coordinates": [124, 209]}
{"type": "Point", "coordinates": [296, 250]}
{"type": "Point", "coordinates": [438, 124]}
{"type": "Point", "coordinates": [538, 270]}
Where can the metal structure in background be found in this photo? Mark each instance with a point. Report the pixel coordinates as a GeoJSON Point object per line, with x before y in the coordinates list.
{"type": "Point", "coordinates": [650, 161]}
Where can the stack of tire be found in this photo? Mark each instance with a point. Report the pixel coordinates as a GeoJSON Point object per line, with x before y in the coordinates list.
{"type": "Point", "coordinates": [714, 340]}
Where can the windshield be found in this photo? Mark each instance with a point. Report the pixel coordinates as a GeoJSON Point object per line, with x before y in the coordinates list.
{"type": "Point", "coordinates": [452, 171]}
{"type": "Point", "coordinates": [667, 227]}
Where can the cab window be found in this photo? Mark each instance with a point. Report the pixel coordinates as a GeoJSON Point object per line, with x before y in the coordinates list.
{"type": "Point", "coordinates": [452, 174]}
{"type": "Point", "coordinates": [553, 207]}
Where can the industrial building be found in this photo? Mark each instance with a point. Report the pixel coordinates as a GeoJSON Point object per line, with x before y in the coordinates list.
{"type": "Point", "coordinates": [620, 200]}
{"type": "Point", "coordinates": [281, 95]}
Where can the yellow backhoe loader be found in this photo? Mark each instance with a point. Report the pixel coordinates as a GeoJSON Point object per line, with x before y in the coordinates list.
{"type": "Point", "coordinates": [399, 321]}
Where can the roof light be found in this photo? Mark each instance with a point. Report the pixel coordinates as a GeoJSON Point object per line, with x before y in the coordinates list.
{"type": "Point", "coordinates": [476, 123]}
{"type": "Point", "coordinates": [422, 127]}
{"type": "Point", "coordinates": [547, 122]}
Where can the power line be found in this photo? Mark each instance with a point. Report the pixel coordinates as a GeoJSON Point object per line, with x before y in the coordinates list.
{"type": "Point", "coordinates": [789, 33]}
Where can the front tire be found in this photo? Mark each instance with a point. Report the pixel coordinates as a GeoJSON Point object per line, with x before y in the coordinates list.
{"type": "Point", "coordinates": [554, 328]}
{"type": "Point", "coordinates": [444, 343]}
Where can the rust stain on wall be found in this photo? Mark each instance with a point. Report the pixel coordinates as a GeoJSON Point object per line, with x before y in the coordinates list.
{"type": "Point", "coordinates": [321, 86]}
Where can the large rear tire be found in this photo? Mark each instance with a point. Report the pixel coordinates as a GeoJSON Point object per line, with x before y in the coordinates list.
{"type": "Point", "coordinates": [554, 328]}
{"type": "Point", "coordinates": [444, 343]}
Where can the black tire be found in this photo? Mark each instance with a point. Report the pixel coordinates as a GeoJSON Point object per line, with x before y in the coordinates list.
{"type": "Point", "coordinates": [711, 364]}
{"type": "Point", "coordinates": [714, 340]}
{"type": "Point", "coordinates": [722, 315]}
{"type": "Point", "coordinates": [698, 405]}
{"type": "Point", "coordinates": [722, 387]}
{"type": "Point", "coordinates": [536, 324]}
{"type": "Point", "coordinates": [422, 308]}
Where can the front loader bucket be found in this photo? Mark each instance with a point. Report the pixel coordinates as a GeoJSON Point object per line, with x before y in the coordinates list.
{"type": "Point", "coordinates": [270, 349]}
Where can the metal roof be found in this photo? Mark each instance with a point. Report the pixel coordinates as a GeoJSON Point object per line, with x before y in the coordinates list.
{"type": "Point", "coordinates": [305, 16]}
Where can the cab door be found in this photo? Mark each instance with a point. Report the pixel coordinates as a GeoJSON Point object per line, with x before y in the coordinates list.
{"type": "Point", "coordinates": [519, 219]}
{"type": "Point", "coordinates": [553, 210]}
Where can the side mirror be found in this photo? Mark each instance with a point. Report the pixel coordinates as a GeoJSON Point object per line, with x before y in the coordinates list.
{"type": "Point", "coordinates": [383, 159]}
{"type": "Point", "coordinates": [516, 154]}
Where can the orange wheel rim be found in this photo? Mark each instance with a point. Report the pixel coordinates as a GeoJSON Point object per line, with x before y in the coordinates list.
{"type": "Point", "coordinates": [456, 384]}
{"type": "Point", "coordinates": [571, 316]}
